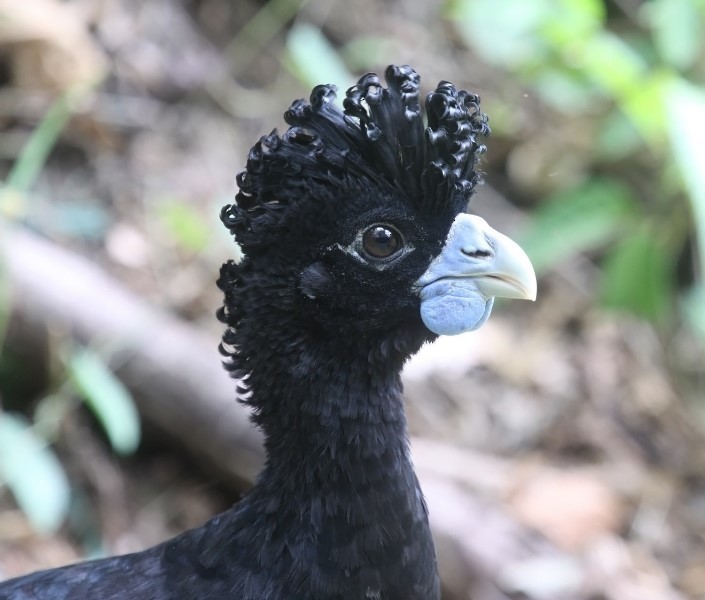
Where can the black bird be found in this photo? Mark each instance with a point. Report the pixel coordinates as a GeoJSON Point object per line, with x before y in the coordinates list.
{"type": "Point", "coordinates": [358, 250]}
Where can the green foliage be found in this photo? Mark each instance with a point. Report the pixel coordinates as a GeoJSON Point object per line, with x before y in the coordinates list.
{"type": "Point", "coordinates": [261, 29]}
{"type": "Point", "coordinates": [677, 31]}
{"type": "Point", "coordinates": [313, 59]}
{"type": "Point", "coordinates": [578, 220]}
{"type": "Point", "coordinates": [686, 109]}
{"type": "Point", "coordinates": [35, 152]}
{"type": "Point", "coordinates": [638, 274]}
{"type": "Point", "coordinates": [73, 218]}
{"type": "Point", "coordinates": [27, 465]}
{"type": "Point", "coordinates": [108, 398]}
{"type": "Point", "coordinates": [523, 35]}
{"type": "Point", "coordinates": [22, 176]}
{"type": "Point", "coordinates": [186, 225]}
{"type": "Point", "coordinates": [640, 87]}
{"type": "Point", "coordinates": [364, 51]}
{"type": "Point", "coordinates": [32, 472]}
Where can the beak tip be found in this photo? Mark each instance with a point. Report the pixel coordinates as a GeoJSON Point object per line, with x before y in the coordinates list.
{"type": "Point", "coordinates": [532, 292]}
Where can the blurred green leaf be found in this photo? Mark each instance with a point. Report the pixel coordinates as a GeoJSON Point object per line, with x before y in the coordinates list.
{"type": "Point", "coordinates": [186, 224]}
{"type": "Point", "coordinates": [562, 49]}
{"type": "Point", "coordinates": [33, 156]}
{"type": "Point", "coordinates": [33, 473]}
{"type": "Point", "coordinates": [611, 63]}
{"type": "Point", "coordinates": [617, 138]}
{"type": "Point", "coordinates": [678, 31]}
{"type": "Point", "coordinates": [364, 51]}
{"type": "Point", "coordinates": [686, 114]}
{"type": "Point", "coordinates": [637, 275]}
{"type": "Point", "coordinates": [260, 29]}
{"type": "Point", "coordinates": [577, 220]}
{"type": "Point", "coordinates": [502, 33]}
{"type": "Point", "coordinates": [313, 58]}
{"type": "Point", "coordinates": [643, 103]}
{"type": "Point", "coordinates": [518, 33]}
{"type": "Point", "coordinates": [566, 91]}
{"type": "Point", "coordinates": [31, 160]}
{"type": "Point", "coordinates": [51, 413]}
{"type": "Point", "coordinates": [108, 398]}
{"type": "Point", "coordinates": [569, 20]}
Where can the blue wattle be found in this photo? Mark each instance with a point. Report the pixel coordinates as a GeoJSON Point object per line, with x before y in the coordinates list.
{"type": "Point", "coordinates": [453, 305]}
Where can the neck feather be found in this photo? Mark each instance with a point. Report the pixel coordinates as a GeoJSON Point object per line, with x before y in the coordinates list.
{"type": "Point", "coordinates": [338, 494]}
{"type": "Point", "coordinates": [338, 464]}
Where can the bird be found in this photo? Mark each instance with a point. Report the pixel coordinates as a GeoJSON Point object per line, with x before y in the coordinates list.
{"type": "Point", "coordinates": [359, 248]}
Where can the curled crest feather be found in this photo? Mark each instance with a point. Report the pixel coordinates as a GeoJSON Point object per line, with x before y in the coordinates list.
{"type": "Point", "coordinates": [379, 135]}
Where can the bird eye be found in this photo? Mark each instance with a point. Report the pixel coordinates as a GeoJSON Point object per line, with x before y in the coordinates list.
{"type": "Point", "coordinates": [381, 241]}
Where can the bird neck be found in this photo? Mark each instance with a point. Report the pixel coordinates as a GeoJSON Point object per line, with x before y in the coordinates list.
{"type": "Point", "coordinates": [333, 425]}
{"type": "Point", "coordinates": [338, 486]}
{"type": "Point", "coordinates": [339, 422]}
{"type": "Point", "coordinates": [338, 467]}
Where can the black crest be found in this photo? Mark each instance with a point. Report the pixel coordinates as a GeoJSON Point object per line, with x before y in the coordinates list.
{"type": "Point", "coordinates": [380, 135]}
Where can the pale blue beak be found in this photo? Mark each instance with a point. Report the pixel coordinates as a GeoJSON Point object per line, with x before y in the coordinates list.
{"type": "Point", "coordinates": [477, 264]}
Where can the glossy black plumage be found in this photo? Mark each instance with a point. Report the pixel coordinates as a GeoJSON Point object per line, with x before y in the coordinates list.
{"type": "Point", "coordinates": [317, 335]}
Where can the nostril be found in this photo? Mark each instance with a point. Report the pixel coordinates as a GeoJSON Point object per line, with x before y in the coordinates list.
{"type": "Point", "coordinates": [476, 253]}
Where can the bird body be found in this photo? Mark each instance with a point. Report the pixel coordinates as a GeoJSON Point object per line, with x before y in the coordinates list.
{"type": "Point", "coordinates": [357, 251]}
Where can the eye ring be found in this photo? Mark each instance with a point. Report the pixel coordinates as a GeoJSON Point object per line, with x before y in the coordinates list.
{"type": "Point", "coordinates": [380, 242]}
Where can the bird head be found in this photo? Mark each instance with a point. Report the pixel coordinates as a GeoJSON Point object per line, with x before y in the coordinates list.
{"type": "Point", "coordinates": [354, 222]}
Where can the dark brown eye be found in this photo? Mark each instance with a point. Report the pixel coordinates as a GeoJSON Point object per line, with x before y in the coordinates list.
{"type": "Point", "coordinates": [381, 241]}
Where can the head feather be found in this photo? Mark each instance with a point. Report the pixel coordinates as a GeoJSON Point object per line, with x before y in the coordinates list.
{"type": "Point", "coordinates": [379, 135]}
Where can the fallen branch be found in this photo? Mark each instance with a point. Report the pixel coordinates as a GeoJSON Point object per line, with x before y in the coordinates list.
{"type": "Point", "coordinates": [173, 369]}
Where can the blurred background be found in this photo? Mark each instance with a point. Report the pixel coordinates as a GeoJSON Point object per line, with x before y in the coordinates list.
{"type": "Point", "coordinates": [561, 447]}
